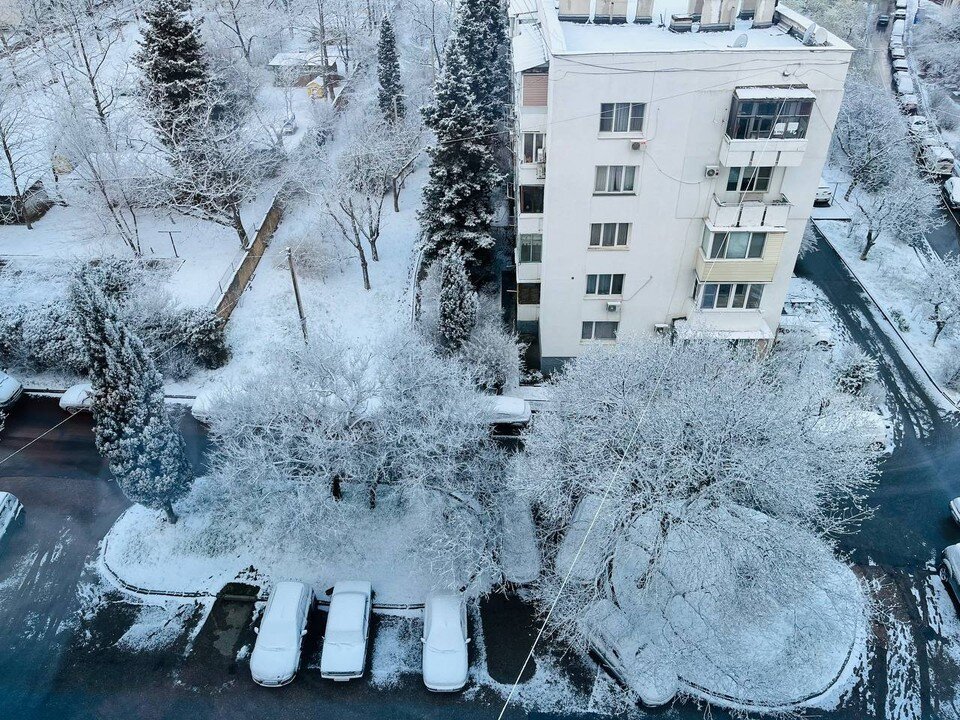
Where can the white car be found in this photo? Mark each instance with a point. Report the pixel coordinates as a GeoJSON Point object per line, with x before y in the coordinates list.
{"type": "Point", "coordinates": [506, 410]}
{"type": "Point", "coordinates": [10, 391]}
{"type": "Point", "coordinates": [824, 196]}
{"type": "Point", "coordinates": [919, 126]}
{"type": "Point", "coordinates": [900, 65]}
{"type": "Point", "coordinates": [955, 510]}
{"type": "Point", "coordinates": [77, 398]}
{"type": "Point", "coordinates": [11, 511]}
{"type": "Point", "coordinates": [897, 52]}
{"type": "Point", "coordinates": [344, 654]}
{"type": "Point", "coordinates": [904, 83]}
{"type": "Point", "coordinates": [909, 103]}
{"type": "Point", "coordinates": [276, 653]}
{"type": "Point", "coordinates": [445, 643]}
{"type": "Point", "coordinates": [951, 188]}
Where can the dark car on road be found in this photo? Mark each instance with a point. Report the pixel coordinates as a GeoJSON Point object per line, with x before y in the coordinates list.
{"type": "Point", "coordinates": [883, 20]}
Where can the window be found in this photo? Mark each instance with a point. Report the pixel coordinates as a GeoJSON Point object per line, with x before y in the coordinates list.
{"type": "Point", "coordinates": [528, 293]}
{"type": "Point", "coordinates": [533, 147]}
{"type": "Point", "coordinates": [621, 117]}
{"type": "Point", "coordinates": [749, 179]}
{"type": "Point", "coordinates": [599, 331]}
{"type": "Point", "coordinates": [605, 284]}
{"type": "Point", "coordinates": [531, 248]}
{"type": "Point", "coordinates": [766, 119]}
{"type": "Point", "coordinates": [733, 245]}
{"type": "Point", "coordinates": [729, 296]}
{"type": "Point", "coordinates": [531, 198]}
{"type": "Point", "coordinates": [615, 179]}
{"type": "Point", "coordinates": [609, 234]}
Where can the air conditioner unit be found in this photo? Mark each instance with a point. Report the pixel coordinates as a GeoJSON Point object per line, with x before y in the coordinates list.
{"type": "Point", "coordinates": [711, 171]}
{"type": "Point", "coordinates": [614, 306]}
{"type": "Point", "coordinates": [638, 143]}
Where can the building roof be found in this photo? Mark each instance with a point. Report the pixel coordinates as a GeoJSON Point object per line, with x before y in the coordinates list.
{"type": "Point", "coordinates": [299, 58]}
{"type": "Point", "coordinates": [528, 48]}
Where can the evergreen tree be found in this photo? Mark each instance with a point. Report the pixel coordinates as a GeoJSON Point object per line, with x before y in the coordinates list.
{"type": "Point", "coordinates": [484, 26]}
{"type": "Point", "coordinates": [458, 302]}
{"type": "Point", "coordinates": [388, 72]}
{"type": "Point", "coordinates": [175, 73]}
{"type": "Point", "coordinates": [457, 198]}
{"type": "Point", "coordinates": [132, 431]}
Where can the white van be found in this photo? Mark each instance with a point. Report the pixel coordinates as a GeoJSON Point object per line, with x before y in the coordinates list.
{"type": "Point", "coordinates": [898, 28]}
{"type": "Point", "coordinates": [937, 159]}
{"type": "Point", "coordinates": [276, 653]}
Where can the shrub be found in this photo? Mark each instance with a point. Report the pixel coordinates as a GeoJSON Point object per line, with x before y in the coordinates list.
{"type": "Point", "coordinates": [856, 371]}
{"type": "Point", "coordinates": [492, 355]}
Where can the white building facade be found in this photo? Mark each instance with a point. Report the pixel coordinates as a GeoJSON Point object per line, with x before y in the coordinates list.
{"type": "Point", "coordinates": [668, 154]}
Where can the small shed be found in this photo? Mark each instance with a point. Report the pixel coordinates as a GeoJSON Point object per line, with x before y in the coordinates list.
{"type": "Point", "coordinates": [299, 68]}
{"type": "Point", "coordinates": [34, 202]}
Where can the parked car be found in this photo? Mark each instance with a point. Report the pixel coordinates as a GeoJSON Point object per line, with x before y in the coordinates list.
{"type": "Point", "coordinates": [900, 14]}
{"type": "Point", "coordinates": [937, 160]}
{"type": "Point", "coordinates": [950, 571]}
{"type": "Point", "coordinates": [909, 103]}
{"type": "Point", "coordinates": [883, 20]}
{"type": "Point", "coordinates": [903, 83]}
{"type": "Point", "coordinates": [919, 126]}
{"type": "Point", "coordinates": [901, 4]}
{"type": "Point", "coordinates": [824, 196]}
{"type": "Point", "coordinates": [11, 512]}
{"type": "Point", "coordinates": [955, 509]}
{"type": "Point", "coordinates": [10, 391]}
{"type": "Point", "coordinates": [344, 654]}
{"type": "Point", "coordinates": [509, 410]}
{"type": "Point", "coordinates": [77, 398]}
{"type": "Point", "coordinates": [289, 126]}
{"type": "Point", "coordinates": [276, 653]}
{"type": "Point", "coordinates": [951, 190]}
{"type": "Point", "coordinates": [897, 52]}
{"type": "Point", "coordinates": [900, 65]}
{"type": "Point", "coordinates": [898, 28]}
{"type": "Point", "coordinates": [445, 643]}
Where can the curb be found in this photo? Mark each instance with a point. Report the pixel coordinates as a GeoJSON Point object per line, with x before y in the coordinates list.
{"type": "Point", "coordinates": [142, 592]}
{"type": "Point", "coordinates": [56, 392]}
{"type": "Point", "coordinates": [883, 313]}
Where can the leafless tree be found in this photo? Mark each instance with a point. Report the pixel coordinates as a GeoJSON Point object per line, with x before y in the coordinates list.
{"type": "Point", "coordinates": [940, 288]}
{"type": "Point", "coordinates": [24, 160]}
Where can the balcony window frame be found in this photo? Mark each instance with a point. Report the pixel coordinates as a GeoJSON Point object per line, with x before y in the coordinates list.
{"type": "Point", "coordinates": [750, 179]}
{"type": "Point", "coordinates": [613, 180]}
{"type": "Point", "coordinates": [715, 246]}
{"type": "Point", "coordinates": [531, 250]}
{"type": "Point", "coordinates": [524, 190]}
{"type": "Point", "coordinates": [629, 115]}
{"type": "Point", "coordinates": [528, 293]}
{"type": "Point", "coordinates": [769, 119]}
{"type": "Point", "coordinates": [750, 294]}
{"type": "Point", "coordinates": [531, 157]}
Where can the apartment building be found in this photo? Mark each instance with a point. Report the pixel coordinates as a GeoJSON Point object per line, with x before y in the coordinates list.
{"type": "Point", "coordinates": [668, 153]}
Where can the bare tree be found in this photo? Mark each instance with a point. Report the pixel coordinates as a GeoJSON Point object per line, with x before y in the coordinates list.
{"type": "Point", "coordinates": [940, 288]}
{"type": "Point", "coordinates": [904, 207]}
{"type": "Point", "coordinates": [23, 160]}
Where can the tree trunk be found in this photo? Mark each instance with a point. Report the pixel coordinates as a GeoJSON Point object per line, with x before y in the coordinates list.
{"type": "Point", "coordinates": [241, 231]}
{"type": "Point", "coordinates": [871, 241]}
{"type": "Point", "coordinates": [335, 490]}
{"type": "Point", "coordinates": [171, 515]}
{"type": "Point", "coordinates": [363, 267]}
{"type": "Point", "coordinates": [941, 324]}
{"type": "Point", "coordinates": [373, 249]}
{"type": "Point", "coordinates": [396, 195]}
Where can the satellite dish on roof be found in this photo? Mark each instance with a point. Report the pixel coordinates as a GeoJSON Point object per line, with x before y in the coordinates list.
{"type": "Point", "coordinates": [808, 36]}
{"type": "Point", "coordinates": [741, 42]}
{"type": "Point", "coordinates": [820, 36]}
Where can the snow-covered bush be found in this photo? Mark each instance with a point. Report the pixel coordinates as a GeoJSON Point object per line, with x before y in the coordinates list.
{"type": "Point", "coordinates": [855, 370]}
{"type": "Point", "coordinates": [492, 354]}
{"type": "Point", "coordinates": [41, 338]}
{"type": "Point", "coordinates": [458, 304]}
{"type": "Point", "coordinates": [936, 44]}
{"type": "Point", "coordinates": [655, 464]}
{"type": "Point", "coordinates": [943, 108]}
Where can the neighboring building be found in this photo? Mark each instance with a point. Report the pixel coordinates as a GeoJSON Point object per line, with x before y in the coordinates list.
{"type": "Point", "coordinates": [297, 69]}
{"type": "Point", "coordinates": [668, 153]}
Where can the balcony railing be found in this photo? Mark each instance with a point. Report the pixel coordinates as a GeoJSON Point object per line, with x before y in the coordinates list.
{"type": "Point", "coordinates": [749, 214]}
{"type": "Point", "coordinates": [770, 152]}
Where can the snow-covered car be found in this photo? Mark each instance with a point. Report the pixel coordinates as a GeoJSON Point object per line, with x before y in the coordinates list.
{"type": "Point", "coordinates": [824, 196]}
{"type": "Point", "coordinates": [951, 190]}
{"type": "Point", "coordinates": [919, 126]}
{"type": "Point", "coordinates": [289, 126]}
{"type": "Point", "coordinates": [504, 410]}
{"type": "Point", "coordinates": [897, 52]}
{"type": "Point", "coordinates": [11, 512]}
{"type": "Point", "coordinates": [445, 643]}
{"type": "Point", "coordinates": [276, 653]}
{"type": "Point", "coordinates": [904, 83]}
{"type": "Point", "coordinates": [909, 103]}
{"type": "Point", "coordinates": [955, 510]}
{"type": "Point", "coordinates": [937, 159]}
{"type": "Point", "coordinates": [900, 14]}
{"type": "Point", "coordinates": [77, 398]}
{"type": "Point", "coordinates": [807, 319]}
{"type": "Point", "coordinates": [950, 571]}
{"type": "Point", "coordinates": [344, 654]}
{"type": "Point", "coordinates": [10, 391]}
{"type": "Point", "coordinates": [900, 65]}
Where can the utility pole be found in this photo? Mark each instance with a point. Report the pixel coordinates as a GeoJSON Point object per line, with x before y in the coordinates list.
{"type": "Point", "coordinates": [296, 294]}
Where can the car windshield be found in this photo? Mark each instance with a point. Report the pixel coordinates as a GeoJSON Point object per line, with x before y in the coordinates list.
{"type": "Point", "coordinates": [444, 636]}
{"type": "Point", "coordinates": [343, 637]}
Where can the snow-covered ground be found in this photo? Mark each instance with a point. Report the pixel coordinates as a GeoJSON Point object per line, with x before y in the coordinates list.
{"type": "Point", "coordinates": [894, 275]}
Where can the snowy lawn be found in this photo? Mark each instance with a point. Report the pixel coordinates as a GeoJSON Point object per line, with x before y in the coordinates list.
{"type": "Point", "coordinates": [894, 275]}
{"type": "Point", "coordinates": [146, 551]}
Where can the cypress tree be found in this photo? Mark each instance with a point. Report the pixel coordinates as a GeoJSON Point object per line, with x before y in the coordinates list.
{"type": "Point", "coordinates": [147, 456]}
{"type": "Point", "coordinates": [388, 72]}
{"type": "Point", "coordinates": [458, 302]}
{"type": "Point", "coordinates": [175, 73]}
{"type": "Point", "coordinates": [457, 198]}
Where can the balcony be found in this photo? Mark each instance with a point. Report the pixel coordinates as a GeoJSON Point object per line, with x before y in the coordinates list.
{"type": "Point", "coordinates": [769, 152]}
{"type": "Point", "coordinates": [756, 215]}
